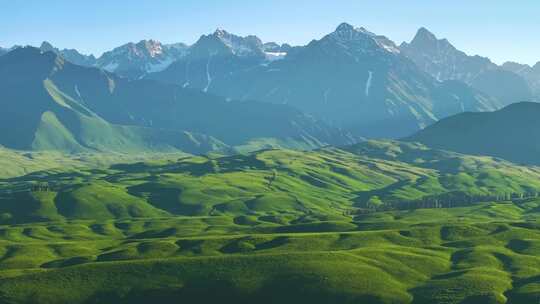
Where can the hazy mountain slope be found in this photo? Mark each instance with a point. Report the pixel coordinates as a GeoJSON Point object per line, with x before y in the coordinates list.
{"type": "Point", "coordinates": [508, 87]}
{"type": "Point", "coordinates": [152, 104]}
{"type": "Point", "coordinates": [512, 133]}
{"type": "Point", "coordinates": [43, 117]}
{"type": "Point", "coordinates": [442, 60]}
{"type": "Point", "coordinates": [530, 73]}
{"type": "Point", "coordinates": [439, 58]}
{"type": "Point", "coordinates": [56, 104]}
{"type": "Point", "coordinates": [351, 77]}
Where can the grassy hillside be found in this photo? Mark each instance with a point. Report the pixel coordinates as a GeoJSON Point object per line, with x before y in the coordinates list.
{"type": "Point", "coordinates": [19, 163]}
{"type": "Point", "coordinates": [351, 225]}
{"type": "Point", "coordinates": [460, 255]}
{"type": "Point", "coordinates": [279, 184]}
{"type": "Point", "coordinates": [511, 133]}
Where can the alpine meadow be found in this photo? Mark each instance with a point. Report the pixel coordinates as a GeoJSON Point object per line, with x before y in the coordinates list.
{"type": "Point", "coordinates": [318, 162]}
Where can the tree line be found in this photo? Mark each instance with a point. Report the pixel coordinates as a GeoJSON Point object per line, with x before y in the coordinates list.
{"type": "Point", "coordinates": [446, 200]}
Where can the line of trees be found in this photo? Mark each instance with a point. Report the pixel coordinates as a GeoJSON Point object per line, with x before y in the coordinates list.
{"type": "Point", "coordinates": [38, 187]}
{"type": "Point", "coordinates": [446, 200]}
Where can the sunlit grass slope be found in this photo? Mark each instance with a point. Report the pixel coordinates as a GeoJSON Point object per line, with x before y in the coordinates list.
{"type": "Point", "coordinates": [379, 222]}
{"type": "Point", "coordinates": [277, 185]}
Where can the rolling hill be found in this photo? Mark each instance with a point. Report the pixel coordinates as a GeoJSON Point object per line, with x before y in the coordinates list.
{"type": "Point", "coordinates": [512, 133]}
{"type": "Point", "coordinates": [282, 184]}
{"type": "Point", "coordinates": [342, 225]}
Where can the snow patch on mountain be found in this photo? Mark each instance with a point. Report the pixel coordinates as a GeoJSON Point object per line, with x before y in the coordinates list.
{"type": "Point", "coordinates": [111, 67]}
{"type": "Point", "coordinates": [368, 83]}
{"type": "Point", "coordinates": [208, 76]}
{"type": "Point", "coordinates": [135, 60]}
{"type": "Point", "coordinates": [273, 56]}
{"type": "Point", "coordinates": [240, 46]}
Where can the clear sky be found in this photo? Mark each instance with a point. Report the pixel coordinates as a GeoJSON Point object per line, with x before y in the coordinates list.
{"type": "Point", "coordinates": [500, 29]}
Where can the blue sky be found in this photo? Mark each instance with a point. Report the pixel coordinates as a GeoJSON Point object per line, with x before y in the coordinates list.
{"type": "Point", "coordinates": [500, 29]}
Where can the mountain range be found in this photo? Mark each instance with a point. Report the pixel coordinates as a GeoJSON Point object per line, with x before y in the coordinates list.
{"type": "Point", "coordinates": [135, 60]}
{"type": "Point", "coordinates": [231, 92]}
{"type": "Point", "coordinates": [351, 77]}
{"type": "Point", "coordinates": [437, 57]}
{"type": "Point", "coordinates": [62, 106]}
{"type": "Point", "coordinates": [440, 59]}
{"type": "Point", "coordinates": [131, 60]}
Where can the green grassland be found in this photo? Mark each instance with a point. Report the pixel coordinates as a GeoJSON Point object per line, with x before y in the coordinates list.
{"type": "Point", "coordinates": [458, 255]}
{"type": "Point", "coordinates": [379, 222]}
{"type": "Point", "coordinates": [18, 163]}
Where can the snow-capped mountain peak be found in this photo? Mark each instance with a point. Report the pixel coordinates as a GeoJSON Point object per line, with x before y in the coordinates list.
{"type": "Point", "coordinates": [153, 47]}
{"type": "Point", "coordinates": [137, 59]}
{"type": "Point", "coordinates": [221, 33]}
{"type": "Point", "coordinates": [346, 34]}
{"type": "Point", "coordinates": [240, 46]}
{"type": "Point", "coordinates": [141, 49]}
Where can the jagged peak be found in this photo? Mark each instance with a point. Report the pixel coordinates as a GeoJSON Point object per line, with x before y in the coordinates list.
{"type": "Point", "coordinates": [153, 47]}
{"type": "Point", "coordinates": [46, 46]}
{"type": "Point", "coordinates": [227, 36]}
{"type": "Point", "coordinates": [345, 27]}
{"type": "Point", "coordinates": [346, 33]}
{"type": "Point", "coordinates": [242, 46]}
{"type": "Point", "coordinates": [425, 33]}
{"type": "Point", "coordinates": [143, 48]}
{"type": "Point", "coordinates": [220, 32]}
{"type": "Point", "coordinates": [425, 37]}
{"type": "Point", "coordinates": [346, 30]}
{"type": "Point", "coordinates": [141, 43]}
